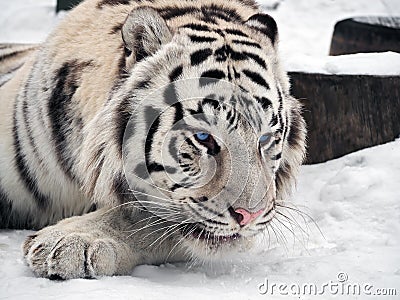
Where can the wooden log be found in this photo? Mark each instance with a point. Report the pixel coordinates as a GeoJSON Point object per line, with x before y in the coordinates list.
{"type": "Point", "coordinates": [345, 113]}
{"type": "Point", "coordinates": [66, 4]}
{"type": "Point", "coordinates": [366, 34]}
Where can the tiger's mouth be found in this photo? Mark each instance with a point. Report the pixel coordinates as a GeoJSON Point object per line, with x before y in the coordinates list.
{"type": "Point", "coordinates": [198, 232]}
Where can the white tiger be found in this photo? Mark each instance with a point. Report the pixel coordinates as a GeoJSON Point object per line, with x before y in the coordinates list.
{"type": "Point", "coordinates": [162, 130]}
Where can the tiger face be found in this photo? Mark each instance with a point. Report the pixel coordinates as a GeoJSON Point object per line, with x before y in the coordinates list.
{"type": "Point", "coordinates": [214, 139]}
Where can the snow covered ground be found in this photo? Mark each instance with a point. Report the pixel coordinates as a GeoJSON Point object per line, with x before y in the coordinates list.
{"type": "Point", "coordinates": [354, 200]}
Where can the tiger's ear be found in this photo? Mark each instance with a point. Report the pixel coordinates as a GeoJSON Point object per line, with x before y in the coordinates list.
{"type": "Point", "coordinates": [265, 24]}
{"type": "Point", "coordinates": [143, 33]}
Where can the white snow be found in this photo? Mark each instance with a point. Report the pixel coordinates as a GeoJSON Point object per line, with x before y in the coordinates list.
{"type": "Point", "coordinates": [26, 21]}
{"type": "Point", "coordinates": [306, 28]}
{"type": "Point", "coordinates": [353, 200]}
{"type": "Point", "coordinates": [383, 64]}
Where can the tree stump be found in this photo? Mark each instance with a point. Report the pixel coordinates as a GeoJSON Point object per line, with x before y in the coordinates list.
{"type": "Point", "coordinates": [345, 113]}
{"type": "Point", "coordinates": [366, 34]}
{"type": "Point", "coordinates": [66, 4]}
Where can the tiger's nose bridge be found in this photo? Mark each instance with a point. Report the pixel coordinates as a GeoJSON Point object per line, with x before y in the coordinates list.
{"type": "Point", "coordinates": [256, 189]}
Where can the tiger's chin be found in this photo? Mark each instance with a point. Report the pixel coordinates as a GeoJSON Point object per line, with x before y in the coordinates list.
{"type": "Point", "coordinates": [214, 246]}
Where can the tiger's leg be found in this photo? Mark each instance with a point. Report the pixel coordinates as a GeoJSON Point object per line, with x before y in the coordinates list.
{"type": "Point", "coordinates": [105, 242]}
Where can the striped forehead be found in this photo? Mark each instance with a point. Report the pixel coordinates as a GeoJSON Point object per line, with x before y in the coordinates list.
{"type": "Point", "coordinates": [212, 55]}
{"type": "Point", "coordinates": [224, 44]}
{"type": "Point", "coordinates": [235, 110]}
{"type": "Point", "coordinates": [232, 55]}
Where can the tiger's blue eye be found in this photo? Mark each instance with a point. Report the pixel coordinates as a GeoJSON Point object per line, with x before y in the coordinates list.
{"type": "Point", "coordinates": [264, 139]}
{"type": "Point", "coordinates": [202, 136]}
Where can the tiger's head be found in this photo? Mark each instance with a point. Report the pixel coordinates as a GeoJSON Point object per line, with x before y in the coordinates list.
{"type": "Point", "coordinates": [214, 139]}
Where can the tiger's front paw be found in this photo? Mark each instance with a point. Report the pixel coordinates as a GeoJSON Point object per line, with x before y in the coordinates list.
{"type": "Point", "coordinates": [59, 255]}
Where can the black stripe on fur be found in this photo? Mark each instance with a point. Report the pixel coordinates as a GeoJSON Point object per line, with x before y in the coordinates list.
{"type": "Point", "coordinates": [294, 133]}
{"type": "Point", "coordinates": [274, 120]}
{"type": "Point", "coordinates": [236, 32]}
{"type": "Point", "coordinates": [42, 201]}
{"type": "Point", "coordinates": [200, 56]}
{"type": "Point", "coordinates": [169, 12]}
{"type": "Point", "coordinates": [256, 78]}
{"type": "Point", "coordinates": [264, 101]}
{"type": "Point", "coordinates": [226, 51]}
{"type": "Point", "coordinates": [13, 53]}
{"type": "Point", "coordinates": [173, 76]}
{"type": "Point", "coordinates": [172, 149]}
{"type": "Point", "coordinates": [10, 218]}
{"type": "Point", "coordinates": [6, 77]}
{"type": "Point", "coordinates": [201, 39]}
{"type": "Point", "coordinates": [224, 13]}
{"type": "Point", "coordinates": [170, 95]}
{"type": "Point", "coordinates": [277, 156]}
{"type": "Point", "coordinates": [256, 58]}
{"type": "Point", "coordinates": [6, 219]}
{"type": "Point", "coordinates": [179, 114]}
{"type": "Point", "coordinates": [152, 117]}
{"type": "Point", "coordinates": [247, 43]}
{"type": "Point", "coordinates": [197, 27]}
{"type": "Point", "coordinates": [191, 144]}
{"type": "Point", "coordinates": [283, 174]}
{"type": "Point", "coordinates": [64, 116]}
{"type": "Point", "coordinates": [27, 122]}
{"type": "Point", "coordinates": [207, 12]}
{"type": "Point", "coordinates": [121, 119]}
{"type": "Point", "coordinates": [214, 74]}
{"type": "Point", "coordinates": [123, 113]}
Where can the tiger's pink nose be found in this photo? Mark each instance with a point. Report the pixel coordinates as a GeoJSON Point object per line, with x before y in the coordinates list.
{"type": "Point", "coordinates": [244, 217]}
